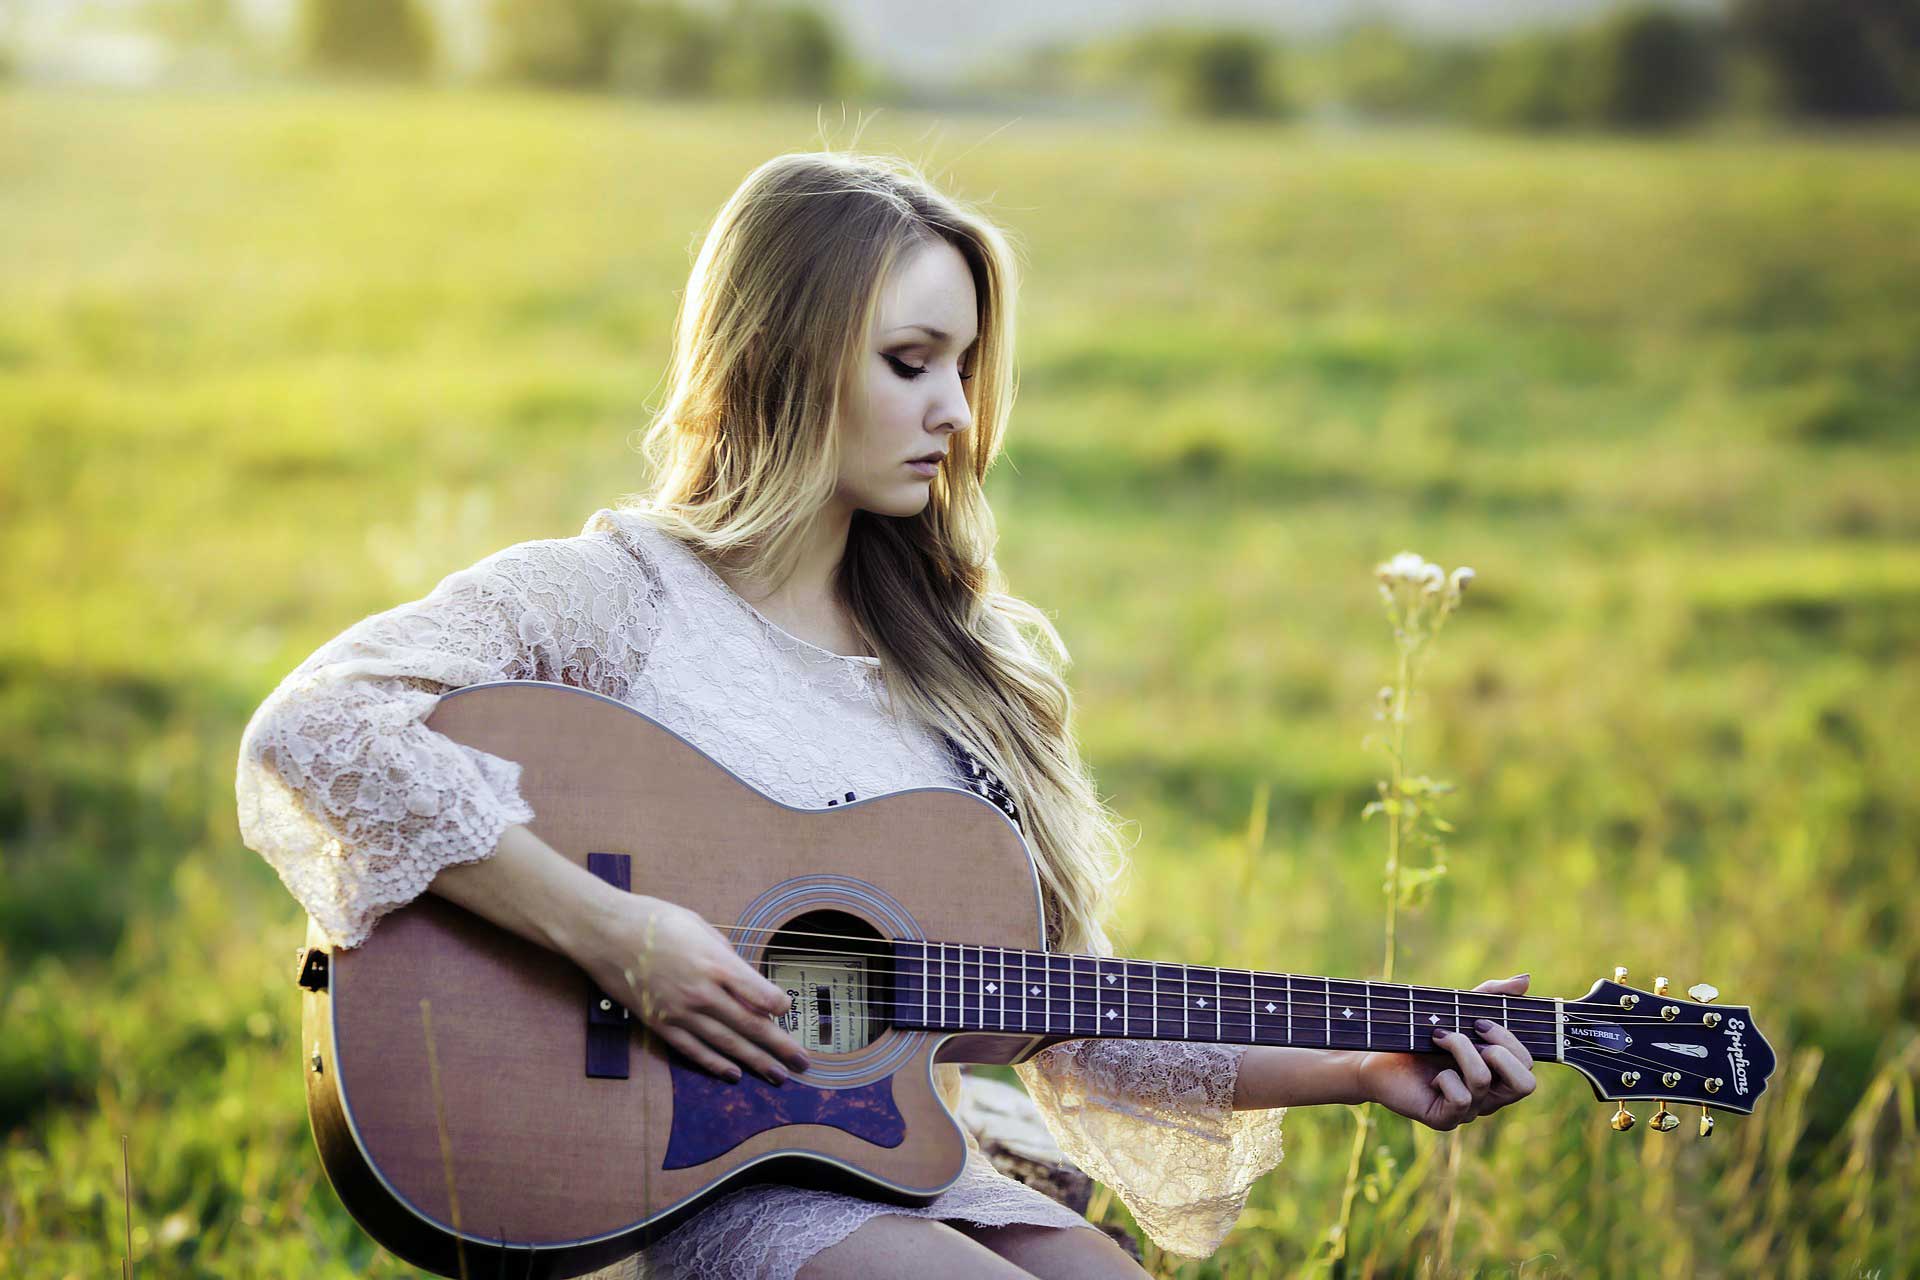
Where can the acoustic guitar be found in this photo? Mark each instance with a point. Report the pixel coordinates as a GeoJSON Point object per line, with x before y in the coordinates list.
{"type": "Point", "coordinates": [479, 1105]}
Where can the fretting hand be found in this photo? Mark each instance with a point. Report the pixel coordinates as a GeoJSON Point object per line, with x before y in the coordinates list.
{"type": "Point", "coordinates": [1490, 1069]}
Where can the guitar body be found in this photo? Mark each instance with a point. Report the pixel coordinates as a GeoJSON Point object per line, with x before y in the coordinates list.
{"type": "Point", "coordinates": [551, 1169]}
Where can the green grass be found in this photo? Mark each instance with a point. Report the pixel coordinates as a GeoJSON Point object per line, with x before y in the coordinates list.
{"type": "Point", "coordinates": [269, 363]}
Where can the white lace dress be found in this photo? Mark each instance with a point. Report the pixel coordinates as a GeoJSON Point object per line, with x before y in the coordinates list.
{"type": "Point", "coordinates": [358, 805]}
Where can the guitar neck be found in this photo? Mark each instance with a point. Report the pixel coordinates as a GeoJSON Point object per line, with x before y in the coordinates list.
{"type": "Point", "coordinates": [950, 986]}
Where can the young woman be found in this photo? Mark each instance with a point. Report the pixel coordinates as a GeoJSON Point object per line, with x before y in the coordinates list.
{"type": "Point", "coordinates": [807, 592]}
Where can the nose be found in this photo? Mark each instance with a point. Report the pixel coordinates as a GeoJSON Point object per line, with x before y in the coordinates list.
{"type": "Point", "coordinates": [954, 413]}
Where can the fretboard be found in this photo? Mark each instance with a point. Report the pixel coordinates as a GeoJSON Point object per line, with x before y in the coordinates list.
{"type": "Point", "coordinates": [962, 987]}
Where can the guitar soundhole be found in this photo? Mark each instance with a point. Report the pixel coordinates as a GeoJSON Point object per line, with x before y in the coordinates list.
{"type": "Point", "coordinates": [837, 972]}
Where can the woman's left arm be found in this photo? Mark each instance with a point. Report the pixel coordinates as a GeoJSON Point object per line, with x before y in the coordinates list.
{"type": "Point", "coordinates": [1488, 1070]}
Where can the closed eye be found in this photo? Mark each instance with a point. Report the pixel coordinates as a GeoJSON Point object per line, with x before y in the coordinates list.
{"type": "Point", "coordinates": [910, 371]}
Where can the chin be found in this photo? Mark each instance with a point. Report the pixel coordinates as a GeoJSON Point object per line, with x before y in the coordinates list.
{"type": "Point", "coordinates": [903, 503]}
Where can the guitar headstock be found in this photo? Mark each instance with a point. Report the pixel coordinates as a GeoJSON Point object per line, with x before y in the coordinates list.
{"type": "Point", "coordinates": [1630, 1043]}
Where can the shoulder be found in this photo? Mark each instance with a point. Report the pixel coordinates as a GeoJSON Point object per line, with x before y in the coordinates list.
{"type": "Point", "coordinates": [612, 545]}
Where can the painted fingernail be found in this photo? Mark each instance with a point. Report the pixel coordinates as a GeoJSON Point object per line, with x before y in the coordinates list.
{"type": "Point", "coordinates": [1483, 1024]}
{"type": "Point", "coordinates": [733, 1075]}
{"type": "Point", "coordinates": [775, 1075]}
{"type": "Point", "coordinates": [1440, 1035]}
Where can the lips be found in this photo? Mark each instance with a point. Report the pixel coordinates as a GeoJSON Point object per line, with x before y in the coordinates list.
{"type": "Point", "coordinates": [931, 457]}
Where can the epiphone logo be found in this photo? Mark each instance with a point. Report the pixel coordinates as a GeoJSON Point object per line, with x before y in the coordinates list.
{"type": "Point", "coordinates": [1737, 1054]}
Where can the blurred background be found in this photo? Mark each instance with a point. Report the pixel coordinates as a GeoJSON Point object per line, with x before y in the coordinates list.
{"type": "Point", "coordinates": [305, 304]}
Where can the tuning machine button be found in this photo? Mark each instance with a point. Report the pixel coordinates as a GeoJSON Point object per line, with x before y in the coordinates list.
{"type": "Point", "coordinates": [1706, 1122]}
{"type": "Point", "coordinates": [1622, 1119]}
{"type": "Point", "coordinates": [1663, 1120]}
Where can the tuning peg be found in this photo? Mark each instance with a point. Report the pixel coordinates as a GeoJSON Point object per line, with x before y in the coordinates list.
{"type": "Point", "coordinates": [1660, 986]}
{"type": "Point", "coordinates": [1663, 1120]}
{"type": "Point", "coordinates": [1706, 1122]}
{"type": "Point", "coordinates": [1619, 973]}
{"type": "Point", "coordinates": [1622, 1119]}
{"type": "Point", "coordinates": [1703, 993]}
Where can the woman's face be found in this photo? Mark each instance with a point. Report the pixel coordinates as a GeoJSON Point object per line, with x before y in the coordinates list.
{"type": "Point", "coordinates": [911, 394]}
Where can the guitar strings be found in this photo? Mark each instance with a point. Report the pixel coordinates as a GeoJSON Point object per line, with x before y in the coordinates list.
{"type": "Point", "coordinates": [881, 948]}
{"type": "Point", "coordinates": [1080, 981]}
{"type": "Point", "coordinates": [1613, 1056]}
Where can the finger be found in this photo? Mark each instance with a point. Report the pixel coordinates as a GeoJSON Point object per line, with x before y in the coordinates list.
{"type": "Point", "coordinates": [1515, 985]}
{"type": "Point", "coordinates": [1508, 1068]}
{"type": "Point", "coordinates": [1495, 1034]}
{"type": "Point", "coordinates": [767, 1033]}
{"type": "Point", "coordinates": [755, 991]}
{"type": "Point", "coordinates": [1472, 1068]}
{"type": "Point", "coordinates": [701, 1056]}
{"type": "Point", "coordinates": [1448, 1083]}
{"type": "Point", "coordinates": [736, 1046]}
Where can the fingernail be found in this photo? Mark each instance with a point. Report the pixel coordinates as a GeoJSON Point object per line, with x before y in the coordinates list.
{"type": "Point", "coordinates": [733, 1076]}
{"type": "Point", "coordinates": [1516, 977]}
{"type": "Point", "coordinates": [1483, 1024]}
{"type": "Point", "coordinates": [799, 1063]}
{"type": "Point", "coordinates": [1438, 1034]}
{"type": "Point", "coordinates": [776, 1076]}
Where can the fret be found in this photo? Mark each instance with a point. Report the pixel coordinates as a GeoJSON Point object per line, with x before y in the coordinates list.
{"type": "Point", "coordinates": [1411, 1030]}
{"type": "Point", "coordinates": [1185, 1020]}
{"type": "Point", "coordinates": [1026, 960]}
{"type": "Point", "coordinates": [1216, 1005]}
{"type": "Point", "coordinates": [1046, 986]}
{"type": "Point", "coordinates": [1002, 978]}
{"type": "Point", "coordinates": [1347, 1015]}
{"type": "Point", "coordinates": [1366, 995]}
{"type": "Point", "coordinates": [1154, 969]}
{"type": "Point", "coordinates": [1391, 1006]}
{"type": "Point", "coordinates": [1110, 1009]}
{"type": "Point", "coordinates": [926, 989]}
{"type": "Point", "coordinates": [1141, 1017]}
{"type": "Point", "coordinates": [1084, 973]}
{"type": "Point", "coordinates": [1236, 1007]}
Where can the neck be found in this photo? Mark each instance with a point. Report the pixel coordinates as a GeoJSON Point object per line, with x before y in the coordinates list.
{"type": "Point", "coordinates": [808, 592]}
{"type": "Point", "coordinates": [963, 987]}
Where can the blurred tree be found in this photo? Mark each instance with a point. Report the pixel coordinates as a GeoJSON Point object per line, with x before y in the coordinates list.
{"type": "Point", "coordinates": [1837, 57]}
{"type": "Point", "coordinates": [1222, 73]}
{"type": "Point", "coordinates": [1530, 82]}
{"type": "Point", "coordinates": [366, 37]}
{"type": "Point", "coordinates": [780, 51]}
{"type": "Point", "coordinates": [557, 42]}
{"type": "Point", "coordinates": [667, 51]}
{"type": "Point", "coordinates": [1378, 69]}
{"type": "Point", "coordinates": [1646, 68]}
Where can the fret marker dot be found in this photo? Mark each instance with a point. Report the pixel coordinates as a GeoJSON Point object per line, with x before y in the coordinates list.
{"type": "Point", "coordinates": [1111, 1015]}
{"type": "Point", "coordinates": [992, 987]}
{"type": "Point", "coordinates": [1346, 1013]}
{"type": "Point", "coordinates": [1111, 979]}
{"type": "Point", "coordinates": [1270, 1006]}
{"type": "Point", "coordinates": [1034, 991]}
{"type": "Point", "coordinates": [1433, 1017]}
{"type": "Point", "coordinates": [1202, 1002]}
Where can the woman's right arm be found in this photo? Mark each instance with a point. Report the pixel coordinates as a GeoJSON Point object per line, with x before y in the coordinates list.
{"type": "Point", "coordinates": [665, 963]}
{"type": "Point", "coordinates": [360, 807]}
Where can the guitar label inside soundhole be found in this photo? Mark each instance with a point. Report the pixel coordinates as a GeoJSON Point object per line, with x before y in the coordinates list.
{"type": "Point", "coordinates": [827, 1001]}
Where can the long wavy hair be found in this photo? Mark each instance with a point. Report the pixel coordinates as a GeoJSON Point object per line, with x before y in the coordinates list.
{"type": "Point", "coordinates": [743, 455]}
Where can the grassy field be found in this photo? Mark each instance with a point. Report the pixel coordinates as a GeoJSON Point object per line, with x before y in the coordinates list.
{"type": "Point", "coordinates": [270, 363]}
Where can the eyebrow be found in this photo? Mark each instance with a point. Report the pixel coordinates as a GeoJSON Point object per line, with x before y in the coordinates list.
{"type": "Point", "coordinates": [938, 335]}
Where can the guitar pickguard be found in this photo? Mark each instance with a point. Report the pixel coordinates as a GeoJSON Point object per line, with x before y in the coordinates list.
{"type": "Point", "coordinates": [712, 1116]}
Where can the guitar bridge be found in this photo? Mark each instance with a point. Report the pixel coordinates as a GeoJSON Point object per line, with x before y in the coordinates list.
{"type": "Point", "coordinates": [609, 1024]}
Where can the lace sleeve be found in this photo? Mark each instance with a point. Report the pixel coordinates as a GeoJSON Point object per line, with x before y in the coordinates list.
{"type": "Point", "coordinates": [343, 788]}
{"type": "Point", "coordinates": [1154, 1121]}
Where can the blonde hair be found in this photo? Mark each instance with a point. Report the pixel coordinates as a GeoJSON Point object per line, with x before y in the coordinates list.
{"type": "Point", "coordinates": [771, 333]}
